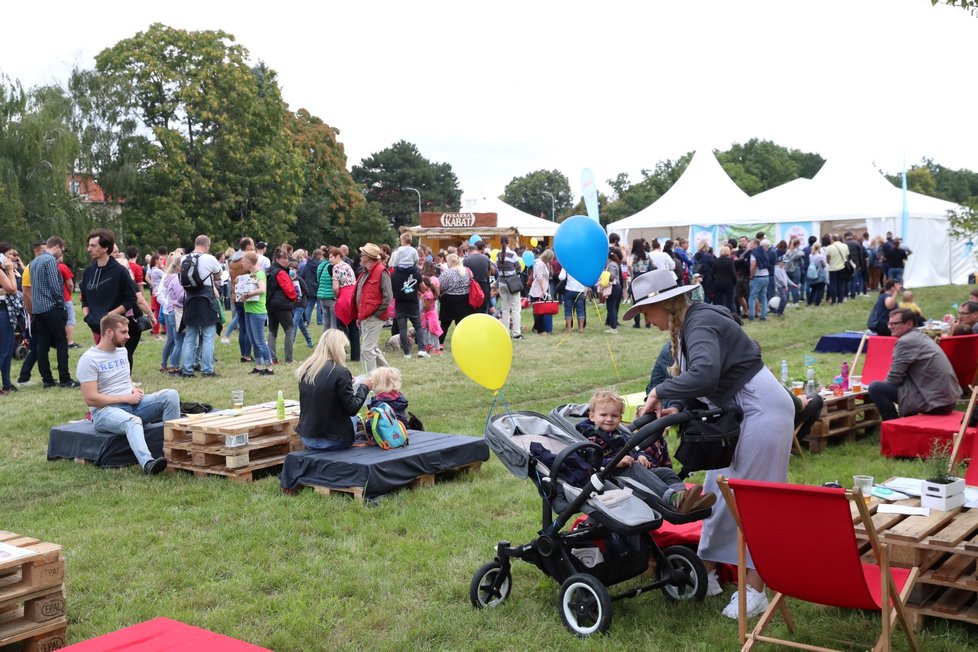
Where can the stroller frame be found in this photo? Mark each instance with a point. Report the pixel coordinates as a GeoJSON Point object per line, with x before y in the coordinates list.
{"type": "Point", "coordinates": [584, 601]}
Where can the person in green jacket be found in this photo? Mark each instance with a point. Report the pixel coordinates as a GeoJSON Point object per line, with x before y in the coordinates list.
{"type": "Point", "coordinates": [327, 300]}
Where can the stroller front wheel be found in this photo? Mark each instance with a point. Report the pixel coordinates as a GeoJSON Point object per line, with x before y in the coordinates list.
{"type": "Point", "coordinates": [481, 592]}
{"type": "Point", "coordinates": [688, 574]}
{"type": "Point", "coordinates": [585, 605]}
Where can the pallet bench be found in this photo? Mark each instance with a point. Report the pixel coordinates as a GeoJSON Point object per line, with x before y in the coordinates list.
{"type": "Point", "coordinates": [32, 594]}
{"type": "Point", "coordinates": [234, 444]}
{"type": "Point", "coordinates": [426, 480]}
{"type": "Point", "coordinates": [843, 417]}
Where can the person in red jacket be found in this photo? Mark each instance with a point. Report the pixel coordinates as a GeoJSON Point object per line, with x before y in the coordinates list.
{"type": "Point", "coordinates": [280, 303]}
{"type": "Point", "coordinates": [374, 295]}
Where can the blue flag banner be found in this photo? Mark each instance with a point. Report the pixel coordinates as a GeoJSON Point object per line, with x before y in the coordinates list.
{"type": "Point", "coordinates": [698, 234]}
{"type": "Point", "coordinates": [590, 190]}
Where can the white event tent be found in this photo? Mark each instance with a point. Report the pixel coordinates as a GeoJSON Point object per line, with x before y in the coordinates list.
{"type": "Point", "coordinates": [511, 218]}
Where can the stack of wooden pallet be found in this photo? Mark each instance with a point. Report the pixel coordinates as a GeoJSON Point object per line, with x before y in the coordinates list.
{"type": "Point", "coordinates": [843, 416]}
{"type": "Point", "coordinates": [235, 443]}
{"type": "Point", "coordinates": [32, 593]}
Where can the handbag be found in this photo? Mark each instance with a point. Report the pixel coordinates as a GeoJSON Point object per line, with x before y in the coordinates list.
{"type": "Point", "coordinates": [545, 307]}
{"type": "Point", "coordinates": [143, 322]}
{"type": "Point", "coordinates": [706, 444]}
{"type": "Point", "coordinates": [513, 283]}
{"type": "Point", "coordinates": [477, 296]}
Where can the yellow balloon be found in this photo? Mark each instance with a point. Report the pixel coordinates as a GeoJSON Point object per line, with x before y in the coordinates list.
{"type": "Point", "coordinates": [483, 350]}
{"type": "Point", "coordinates": [494, 254]}
{"type": "Point", "coordinates": [533, 242]}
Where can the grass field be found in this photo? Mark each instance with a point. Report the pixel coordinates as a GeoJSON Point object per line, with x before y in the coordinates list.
{"type": "Point", "coordinates": [311, 572]}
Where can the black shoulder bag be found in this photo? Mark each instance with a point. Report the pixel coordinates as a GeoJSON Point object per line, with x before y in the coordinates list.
{"type": "Point", "coordinates": [706, 444]}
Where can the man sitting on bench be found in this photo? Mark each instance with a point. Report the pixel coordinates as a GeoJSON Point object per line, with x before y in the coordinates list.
{"type": "Point", "coordinates": [117, 406]}
{"type": "Point", "coordinates": [921, 379]}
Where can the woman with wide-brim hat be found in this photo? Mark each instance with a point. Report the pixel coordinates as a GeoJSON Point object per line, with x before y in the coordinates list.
{"type": "Point", "coordinates": [714, 358]}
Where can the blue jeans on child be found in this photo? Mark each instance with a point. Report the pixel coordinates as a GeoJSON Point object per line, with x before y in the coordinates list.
{"type": "Point", "coordinates": [128, 420]}
{"type": "Point", "coordinates": [256, 330]}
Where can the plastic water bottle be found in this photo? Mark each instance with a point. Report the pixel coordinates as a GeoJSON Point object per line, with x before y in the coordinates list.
{"type": "Point", "coordinates": [845, 375]}
{"type": "Point", "coordinates": [810, 382]}
{"type": "Point", "coordinates": [280, 406]}
{"type": "Point", "coordinates": [784, 373]}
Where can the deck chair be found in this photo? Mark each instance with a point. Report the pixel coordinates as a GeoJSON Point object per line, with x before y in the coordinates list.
{"type": "Point", "coordinates": [962, 351]}
{"type": "Point", "coordinates": [971, 477]}
{"type": "Point", "coordinates": [879, 356]}
{"type": "Point", "coordinates": [803, 544]}
{"type": "Point", "coordinates": [971, 474]}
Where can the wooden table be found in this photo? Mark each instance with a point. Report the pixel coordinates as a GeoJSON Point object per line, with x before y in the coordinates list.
{"type": "Point", "coordinates": [944, 545]}
{"type": "Point", "coordinates": [843, 416]}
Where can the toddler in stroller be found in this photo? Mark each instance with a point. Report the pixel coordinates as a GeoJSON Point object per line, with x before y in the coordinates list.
{"type": "Point", "coordinates": [612, 543]}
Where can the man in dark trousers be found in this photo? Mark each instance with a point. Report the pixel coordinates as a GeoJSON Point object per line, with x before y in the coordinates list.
{"type": "Point", "coordinates": [48, 314]}
{"type": "Point", "coordinates": [858, 257]}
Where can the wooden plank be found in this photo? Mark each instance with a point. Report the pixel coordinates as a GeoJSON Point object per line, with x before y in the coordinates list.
{"type": "Point", "coordinates": [953, 568]}
{"type": "Point", "coordinates": [957, 531]}
{"type": "Point", "coordinates": [356, 492]}
{"type": "Point", "coordinates": [25, 630]}
{"type": "Point", "coordinates": [915, 528]}
{"type": "Point", "coordinates": [952, 601]}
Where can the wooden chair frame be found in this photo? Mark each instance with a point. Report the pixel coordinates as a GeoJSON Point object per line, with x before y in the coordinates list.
{"type": "Point", "coordinates": [958, 437]}
{"type": "Point", "coordinates": [890, 617]}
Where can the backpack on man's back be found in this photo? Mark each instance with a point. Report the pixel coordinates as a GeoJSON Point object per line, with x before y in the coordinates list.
{"type": "Point", "coordinates": [190, 273]}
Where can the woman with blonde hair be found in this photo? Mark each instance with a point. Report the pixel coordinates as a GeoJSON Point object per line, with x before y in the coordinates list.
{"type": "Point", "coordinates": [454, 296]}
{"type": "Point", "coordinates": [719, 364]}
{"type": "Point", "coordinates": [327, 396]}
{"type": "Point", "coordinates": [540, 290]}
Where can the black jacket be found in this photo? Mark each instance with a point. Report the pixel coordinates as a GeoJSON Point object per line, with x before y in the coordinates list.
{"type": "Point", "coordinates": [105, 288]}
{"type": "Point", "coordinates": [276, 298]}
{"type": "Point", "coordinates": [325, 406]}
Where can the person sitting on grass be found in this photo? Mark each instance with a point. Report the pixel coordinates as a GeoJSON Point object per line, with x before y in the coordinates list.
{"type": "Point", "coordinates": [328, 399]}
{"type": "Point", "coordinates": [116, 405]}
{"type": "Point", "coordinates": [603, 427]}
{"type": "Point", "coordinates": [386, 384]}
{"type": "Point", "coordinates": [908, 303]}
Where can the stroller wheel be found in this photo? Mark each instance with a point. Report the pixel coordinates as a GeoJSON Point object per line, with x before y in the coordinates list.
{"type": "Point", "coordinates": [585, 605]}
{"type": "Point", "coordinates": [20, 352]}
{"type": "Point", "coordinates": [481, 593]}
{"type": "Point", "coordinates": [688, 574]}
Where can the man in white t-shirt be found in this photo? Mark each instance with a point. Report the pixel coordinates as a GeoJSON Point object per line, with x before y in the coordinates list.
{"type": "Point", "coordinates": [263, 261]}
{"type": "Point", "coordinates": [117, 406]}
{"type": "Point", "coordinates": [200, 313]}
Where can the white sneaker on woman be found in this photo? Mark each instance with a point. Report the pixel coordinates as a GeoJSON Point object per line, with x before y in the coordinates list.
{"type": "Point", "coordinates": [756, 603]}
{"type": "Point", "coordinates": [713, 584]}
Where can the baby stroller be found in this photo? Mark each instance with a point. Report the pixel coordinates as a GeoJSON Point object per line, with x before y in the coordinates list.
{"type": "Point", "coordinates": [611, 545]}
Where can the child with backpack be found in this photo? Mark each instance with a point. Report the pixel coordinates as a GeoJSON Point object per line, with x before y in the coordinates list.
{"type": "Point", "coordinates": [387, 410]}
{"type": "Point", "coordinates": [387, 389]}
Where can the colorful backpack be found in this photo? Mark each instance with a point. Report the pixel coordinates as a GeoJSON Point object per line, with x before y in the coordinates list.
{"type": "Point", "coordinates": [385, 428]}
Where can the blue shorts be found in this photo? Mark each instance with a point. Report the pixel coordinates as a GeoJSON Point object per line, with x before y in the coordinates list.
{"type": "Point", "coordinates": [574, 301]}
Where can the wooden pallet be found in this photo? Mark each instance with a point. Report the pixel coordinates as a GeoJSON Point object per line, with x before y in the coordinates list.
{"type": "Point", "coordinates": [843, 417]}
{"type": "Point", "coordinates": [32, 598]}
{"type": "Point", "coordinates": [196, 444]}
{"type": "Point", "coordinates": [426, 480]}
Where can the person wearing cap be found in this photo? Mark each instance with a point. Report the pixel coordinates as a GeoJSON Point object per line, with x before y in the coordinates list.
{"type": "Point", "coordinates": [263, 262]}
{"type": "Point", "coordinates": [373, 296]}
{"type": "Point", "coordinates": [718, 362]}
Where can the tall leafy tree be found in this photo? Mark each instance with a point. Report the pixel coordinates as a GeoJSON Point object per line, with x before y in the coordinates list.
{"type": "Point", "coordinates": [211, 143]}
{"type": "Point", "coordinates": [333, 209]}
{"type": "Point", "coordinates": [526, 193]}
{"type": "Point", "coordinates": [630, 197]}
{"type": "Point", "coordinates": [760, 165]}
{"type": "Point", "coordinates": [387, 174]}
{"type": "Point", "coordinates": [930, 178]}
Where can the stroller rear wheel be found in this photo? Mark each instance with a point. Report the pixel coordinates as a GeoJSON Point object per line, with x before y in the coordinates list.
{"type": "Point", "coordinates": [20, 352]}
{"type": "Point", "coordinates": [585, 605]}
{"type": "Point", "coordinates": [688, 574]}
{"type": "Point", "coordinates": [481, 593]}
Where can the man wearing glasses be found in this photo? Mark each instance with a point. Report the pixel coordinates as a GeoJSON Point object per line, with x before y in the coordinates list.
{"type": "Point", "coordinates": [967, 317]}
{"type": "Point", "coordinates": [921, 379]}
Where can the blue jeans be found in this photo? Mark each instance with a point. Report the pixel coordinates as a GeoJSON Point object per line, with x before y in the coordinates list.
{"type": "Point", "coordinates": [325, 444]}
{"type": "Point", "coordinates": [189, 349]}
{"type": "Point", "coordinates": [328, 312]}
{"type": "Point", "coordinates": [256, 329]}
{"type": "Point", "coordinates": [173, 347]}
{"type": "Point", "coordinates": [312, 303]}
{"type": "Point", "coordinates": [574, 302]}
{"type": "Point", "coordinates": [758, 292]}
{"type": "Point", "coordinates": [300, 323]}
{"type": "Point", "coordinates": [244, 338]}
{"type": "Point", "coordinates": [125, 419]}
{"type": "Point", "coordinates": [895, 274]}
{"type": "Point", "coordinates": [796, 293]}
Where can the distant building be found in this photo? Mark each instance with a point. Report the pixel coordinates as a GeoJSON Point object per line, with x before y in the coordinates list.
{"type": "Point", "coordinates": [85, 189]}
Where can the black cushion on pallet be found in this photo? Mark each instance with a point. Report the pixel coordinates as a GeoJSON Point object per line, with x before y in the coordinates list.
{"type": "Point", "coordinates": [106, 450]}
{"type": "Point", "coordinates": [379, 471]}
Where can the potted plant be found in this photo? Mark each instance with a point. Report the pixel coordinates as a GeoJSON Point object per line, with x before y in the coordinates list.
{"type": "Point", "coordinates": [940, 489]}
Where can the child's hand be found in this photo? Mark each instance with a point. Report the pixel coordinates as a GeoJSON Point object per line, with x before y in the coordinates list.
{"type": "Point", "coordinates": [626, 462]}
{"type": "Point", "coordinates": [646, 462]}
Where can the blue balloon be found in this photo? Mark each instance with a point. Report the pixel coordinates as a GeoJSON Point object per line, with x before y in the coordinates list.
{"type": "Point", "coordinates": [474, 239]}
{"type": "Point", "coordinates": [581, 246]}
{"type": "Point", "coordinates": [528, 258]}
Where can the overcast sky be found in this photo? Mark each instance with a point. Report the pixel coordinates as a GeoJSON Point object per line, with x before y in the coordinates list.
{"type": "Point", "coordinates": [503, 88]}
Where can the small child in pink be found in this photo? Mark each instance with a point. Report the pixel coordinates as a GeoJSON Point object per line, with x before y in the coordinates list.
{"type": "Point", "coordinates": [430, 322]}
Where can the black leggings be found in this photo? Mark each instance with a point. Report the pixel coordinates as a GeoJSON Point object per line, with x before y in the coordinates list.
{"type": "Point", "coordinates": [454, 308]}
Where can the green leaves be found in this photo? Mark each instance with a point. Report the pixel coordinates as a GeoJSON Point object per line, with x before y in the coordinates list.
{"type": "Point", "coordinates": [527, 193]}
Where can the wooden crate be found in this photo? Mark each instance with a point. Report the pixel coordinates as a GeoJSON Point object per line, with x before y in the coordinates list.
{"type": "Point", "coordinates": [843, 417]}
{"type": "Point", "coordinates": [426, 480]}
{"type": "Point", "coordinates": [196, 444]}
{"type": "Point", "coordinates": [32, 597]}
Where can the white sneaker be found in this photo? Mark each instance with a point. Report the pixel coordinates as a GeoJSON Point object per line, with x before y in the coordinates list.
{"type": "Point", "coordinates": [611, 330]}
{"type": "Point", "coordinates": [756, 603]}
{"type": "Point", "coordinates": [225, 340]}
{"type": "Point", "coordinates": [407, 356]}
{"type": "Point", "coordinates": [713, 584]}
{"type": "Point", "coordinates": [423, 354]}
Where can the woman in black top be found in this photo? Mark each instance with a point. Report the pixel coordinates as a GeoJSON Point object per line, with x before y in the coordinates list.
{"type": "Point", "coordinates": [724, 280]}
{"type": "Point", "coordinates": [327, 396]}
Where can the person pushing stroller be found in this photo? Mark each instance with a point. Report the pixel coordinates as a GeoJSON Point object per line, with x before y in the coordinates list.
{"type": "Point", "coordinates": [603, 428]}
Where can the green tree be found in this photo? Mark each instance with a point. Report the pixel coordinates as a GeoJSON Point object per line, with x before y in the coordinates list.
{"type": "Point", "coordinates": [971, 6]}
{"type": "Point", "coordinates": [37, 150]}
{"type": "Point", "coordinates": [760, 165]}
{"type": "Point", "coordinates": [209, 141]}
{"type": "Point", "coordinates": [387, 174]}
{"type": "Point", "coordinates": [930, 178]}
{"type": "Point", "coordinates": [526, 193]}
{"type": "Point", "coordinates": [631, 198]}
{"type": "Point", "coordinates": [333, 209]}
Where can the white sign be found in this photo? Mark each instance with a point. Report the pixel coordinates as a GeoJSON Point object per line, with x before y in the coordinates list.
{"type": "Point", "coordinates": [457, 220]}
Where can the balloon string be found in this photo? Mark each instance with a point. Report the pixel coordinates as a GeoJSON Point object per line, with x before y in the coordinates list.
{"type": "Point", "coordinates": [614, 363]}
{"type": "Point", "coordinates": [495, 398]}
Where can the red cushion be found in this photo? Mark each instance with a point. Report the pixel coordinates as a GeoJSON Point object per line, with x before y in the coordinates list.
{"type": "Point", "coordinates": [962, 351]}
{"type": "Point", "coordinates": [163, 635]}
{"type": "Point", "coordinates": [879, 356]}
{"type": "Point", "coordinates": [914, 436]}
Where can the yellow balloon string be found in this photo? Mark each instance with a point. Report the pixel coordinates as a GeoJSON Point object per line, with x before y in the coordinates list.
{"type": "Point", "coordinates": [607, 341]}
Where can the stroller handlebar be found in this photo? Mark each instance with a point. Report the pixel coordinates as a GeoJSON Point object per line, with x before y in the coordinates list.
{"type": "Point", "coordinates": [648, 429]}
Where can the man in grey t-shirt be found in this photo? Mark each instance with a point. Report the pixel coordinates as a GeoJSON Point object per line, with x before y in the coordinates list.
{"type": "Point", "coordinates": [117, 406]}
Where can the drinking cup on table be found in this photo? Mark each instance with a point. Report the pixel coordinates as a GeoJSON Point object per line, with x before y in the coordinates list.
{"type": "Point", "coordinates": [863, 483]}
{"type": "Point", "coordinates": [797, 388]}
{"type": "Point", "coordinates": [856, 383]}
{"type": "Point", "coordinates": [837, 390]}
{"type": "Point", "coordinates": [237, 398]}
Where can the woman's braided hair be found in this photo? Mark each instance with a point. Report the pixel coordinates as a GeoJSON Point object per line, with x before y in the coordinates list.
{"type": "Point", "coordinates": [675, 307]}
